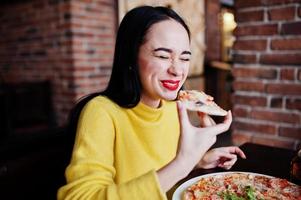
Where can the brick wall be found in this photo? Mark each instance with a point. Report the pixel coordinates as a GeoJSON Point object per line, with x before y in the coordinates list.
{"type": "Point", "coordinates": [267, 61]}
{"type": "Point", "coordinates": [69, 43]}
{"type": "Point", "coordinates": [93, 28]}
{"type": "Point", "coordinates": [213, 36]}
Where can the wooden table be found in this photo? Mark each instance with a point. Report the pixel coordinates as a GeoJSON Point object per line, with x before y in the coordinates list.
{"type": "Point", "coordinates": [260, 159]}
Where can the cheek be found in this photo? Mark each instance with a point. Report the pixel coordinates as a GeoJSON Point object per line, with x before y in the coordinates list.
{"type": "Point", "coordinates": [149, 68]}
{"type": "Point", "coordinates": [142, 65]}
{"type": "Point", "coordinates": [186, 70]}
{"type": "Point", "coordinates": [144, 70]}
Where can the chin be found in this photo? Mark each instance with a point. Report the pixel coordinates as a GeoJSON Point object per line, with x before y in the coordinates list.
{"type": "Point", "coordinates": [170, 97]}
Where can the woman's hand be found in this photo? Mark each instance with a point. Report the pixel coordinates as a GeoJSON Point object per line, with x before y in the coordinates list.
{"type": "Point", "coordinates": [224, 157]}
{"type": "Point", "coordinates": [205, 120]}
{"type": "Point", "coordinates": [195, 141]}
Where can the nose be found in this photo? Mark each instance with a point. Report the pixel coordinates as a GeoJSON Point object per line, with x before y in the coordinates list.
{"type": "Point", "coordinates": [175, 68]}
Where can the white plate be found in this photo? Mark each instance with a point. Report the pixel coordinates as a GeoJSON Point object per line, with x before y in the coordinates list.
{"type": "Point", "coordinates": [177, 195]}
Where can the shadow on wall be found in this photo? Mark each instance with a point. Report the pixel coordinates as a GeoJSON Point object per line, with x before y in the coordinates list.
{"type": "Point", "coordinates": [25, 108]}
{"type": "Point", "coordinates": [33, 168]}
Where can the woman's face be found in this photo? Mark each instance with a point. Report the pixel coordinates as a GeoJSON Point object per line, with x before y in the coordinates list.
{"type": "Point", "coordinates": [163, 62]}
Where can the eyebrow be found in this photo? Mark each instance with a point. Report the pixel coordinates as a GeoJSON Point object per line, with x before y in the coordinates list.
{"type": "Point", "coordinates": [169, 50]}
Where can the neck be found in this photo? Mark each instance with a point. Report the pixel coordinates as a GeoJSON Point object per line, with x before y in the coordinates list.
{"type": "Point", "coordinates": [151, 103]}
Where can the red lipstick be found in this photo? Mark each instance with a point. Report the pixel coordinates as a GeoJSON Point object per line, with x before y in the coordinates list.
{"type": "Point", "coordinates": [170, 84]}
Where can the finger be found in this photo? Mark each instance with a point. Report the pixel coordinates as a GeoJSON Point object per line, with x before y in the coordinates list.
{"type": "Point", "coordinates": [228, 117]}
{"type": "Point", "coordinates": [183, 116]}
{"type": "Point", "coordinates": [220, 128]}
{"type": "Point", "coordinates": [225, 125]}
{"type": "Point", "coordinates": [230, 162]}
{"type": "Point", "coordinates": [226, 161]}
{"type": "Point", "coordinates": [212, 121]}
{"type": "Point", "coordinates": [215, 130]}
{"type": "Point", "coordinates": [225, 167]}
{"type": "Point", "coordinates": [209, 120]}
{"type": "Point", "coordinates": [205, 120]}
{"type": "Point", "coordinates": [238, 151]}
{"type": "Point", "coordinates": [228, 156]}
{"type": "Point", "coordinates": [210, 98]}
{"type": "Point", "coordinates": [223, 153]}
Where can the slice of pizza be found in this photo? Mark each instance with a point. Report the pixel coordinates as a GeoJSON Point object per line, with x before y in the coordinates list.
{"type": "Point", "coordinates": [199, 101]}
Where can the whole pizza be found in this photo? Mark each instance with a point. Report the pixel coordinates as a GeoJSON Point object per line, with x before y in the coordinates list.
{"type": "Point", "coordinates": [242, 186]}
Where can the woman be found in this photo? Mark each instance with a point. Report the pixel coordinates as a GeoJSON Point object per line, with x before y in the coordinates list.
{"type": "Point", "coordinates": [133, 140]}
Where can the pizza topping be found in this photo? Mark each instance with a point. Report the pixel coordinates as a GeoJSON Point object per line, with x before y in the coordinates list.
{"type": "Point", "coordinates": [250, 191]}
{"type": "Point", "coordinates": [194, 95]}
{"type": "Point", "coordinates": [199, 101]}
{"type": "Point", "coordinates": [242, 186]}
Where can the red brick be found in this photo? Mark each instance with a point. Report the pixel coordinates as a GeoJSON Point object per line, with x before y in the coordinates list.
{"type": "Point", "coordinates": [249, 86]}
{"type": "Point", "coordinates": [276, 116]}
{"type": "Point", "coordinates": [249, 100]}
{"type": "Point", "coordinates": [285, 13]}
{"type": "Point", "coordinates": [254, 127]}
{"type": "Point", "coordinates": [38, 5]}
{"type": "Point", "coordinates": [86, 84]}
{"type": "Point", "coordinates": [240, 112]}
{"type": "Point", "coordinates": [247, 3]}
{"type": "Point", "coordinates": [244, 58]}
{"type": "Point", "coordinates": [239, 137]}
{"type": "Point", "coordinates": [267, 29]}
{"type": "Point", "coordinates": [291, 28]}
{"type": "Point", "coordinates": [286, 44]}
{"type": "Point", "coordinates": [294, 104]}
{"type": "Point", "coordinates": [249, 16]}
{"type": "Point", "coordinates": [284, 89]}
{"type": "Point", "coordinates": [258, 45]}
{"type": "Point", "coordinates": [251, 72]}
{"type": "Point", "coordinates": [276, 102]}
{"type": "Point", "coordinates": [276, 2]}
{"type": "Point", "coordinates": [290, 132]}
{"type": "Point", "coordinates": [66, 7]}
{"type": "Point", "coordinates": [213, 40]}
{"type": "Point", "coordinates": [274, 142]}
{"type": "Point", "coordinates": [109, 4]}
{"type": "Point", "coordinates": [83, 69]}
{"type": "Point", "coordinates": [287, 74]}
{"type": "Point", "coordinates": [40, 22]}
{"type": "Point", "coordinates": [281, 59]}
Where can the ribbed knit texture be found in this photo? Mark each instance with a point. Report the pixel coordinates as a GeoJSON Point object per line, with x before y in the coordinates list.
{"type": "Point", "coordinates": [117, 151]}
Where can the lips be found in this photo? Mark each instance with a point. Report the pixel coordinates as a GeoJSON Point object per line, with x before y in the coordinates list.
{"type": "Point", "coordinates": [170, 84]}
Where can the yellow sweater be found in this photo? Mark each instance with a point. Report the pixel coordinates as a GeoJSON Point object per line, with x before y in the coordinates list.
{"type": "Point", "coordinates": [117, 151]}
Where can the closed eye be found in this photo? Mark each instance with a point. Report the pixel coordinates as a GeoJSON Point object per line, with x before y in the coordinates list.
{"type": "Point", "coordinates": [185, 59]}
{"type": "Point", "coordinates": [163, 57]}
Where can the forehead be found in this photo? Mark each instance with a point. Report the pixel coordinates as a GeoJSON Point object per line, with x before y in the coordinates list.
{"type": "Point", "coordinates": [168, 33]}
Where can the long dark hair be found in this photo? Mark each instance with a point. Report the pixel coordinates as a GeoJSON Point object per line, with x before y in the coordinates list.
{"type": "Point", "coordinates": [124, 87]}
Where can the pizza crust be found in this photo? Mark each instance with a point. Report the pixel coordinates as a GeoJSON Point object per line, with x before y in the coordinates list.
{"type": "Point", "coordinates": [199, 101]}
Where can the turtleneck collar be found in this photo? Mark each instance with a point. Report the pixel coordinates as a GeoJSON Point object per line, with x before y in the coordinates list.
{"type": "Point", "coordinates": [149, 113]}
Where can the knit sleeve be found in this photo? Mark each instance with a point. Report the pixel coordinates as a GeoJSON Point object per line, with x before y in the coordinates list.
{"type": "Point", "coordinates": [90, 174]}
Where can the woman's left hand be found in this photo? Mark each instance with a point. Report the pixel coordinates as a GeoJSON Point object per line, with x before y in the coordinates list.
{"type": "Point", "coordinates": [223, 157]}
